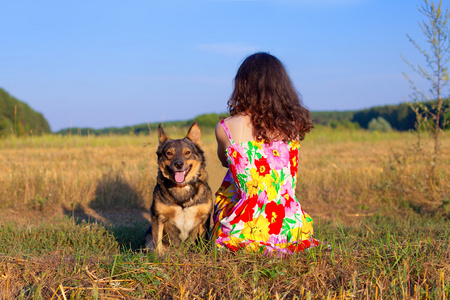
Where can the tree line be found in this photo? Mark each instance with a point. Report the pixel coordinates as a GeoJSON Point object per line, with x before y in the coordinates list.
{"type": "Point", "coordinates": [206, 121]}
{"type": "Point", "coordinates": [400, 117]}
{"type": "Point", "coordinates": [17, 118]}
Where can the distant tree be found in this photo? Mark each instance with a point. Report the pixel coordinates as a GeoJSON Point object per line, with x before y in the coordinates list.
{"type": "Point", "coordinates": [208, 120]}
{"type": "Point", "coordinates": [437, 55]}
{"type": "Point", "coordinates": [5, 126]}
{"type": "Point", "coordinates": [16, 117]}
{"type": "Point", "coordinates": [379, 124]}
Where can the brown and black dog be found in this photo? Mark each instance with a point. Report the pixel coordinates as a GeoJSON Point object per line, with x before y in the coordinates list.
{"type": "Point", "coordinates": [182, 206]}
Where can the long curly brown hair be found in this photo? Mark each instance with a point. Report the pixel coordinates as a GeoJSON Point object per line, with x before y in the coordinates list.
{"type": "Point", "coordinates": [264, 91]}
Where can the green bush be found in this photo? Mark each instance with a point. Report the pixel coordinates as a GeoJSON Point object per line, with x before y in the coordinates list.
{"type": "Point", "coordinates": [208, 120]}
{"type": "Point", "coordinates": [344, 124]}
{"type": "Point", "coordinates": [379, 124]}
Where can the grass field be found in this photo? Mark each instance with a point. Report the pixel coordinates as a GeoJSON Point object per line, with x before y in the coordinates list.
{"type": "Point", "coordinates": [73, 212]}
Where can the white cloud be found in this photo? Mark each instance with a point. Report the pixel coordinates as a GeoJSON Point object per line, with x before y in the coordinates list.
{"type": "Point", "coordinates": [228, 49]}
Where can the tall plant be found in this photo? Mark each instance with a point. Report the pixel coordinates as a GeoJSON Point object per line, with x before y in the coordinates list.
{"type": "Point", "coordinates": [436, 30]}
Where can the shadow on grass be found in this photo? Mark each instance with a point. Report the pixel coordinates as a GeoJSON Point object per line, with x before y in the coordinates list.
{"type": "Point", "coordinates": [119, 207]}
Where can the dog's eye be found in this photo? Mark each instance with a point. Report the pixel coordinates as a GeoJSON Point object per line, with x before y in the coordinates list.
{"type": "Point", "coordinates": [169, 153]}
{"type": "Point", "coordinates": [187, 152]}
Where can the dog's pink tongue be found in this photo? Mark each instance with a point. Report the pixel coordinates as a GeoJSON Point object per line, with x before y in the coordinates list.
{"type": "Point", "coordinates": [179, 177]}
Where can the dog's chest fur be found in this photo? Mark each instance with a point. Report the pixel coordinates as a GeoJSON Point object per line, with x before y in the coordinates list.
{"type": "Point", "coordinates": [186, 217]}
{"type": "Point", "coordinates": [185, 220]}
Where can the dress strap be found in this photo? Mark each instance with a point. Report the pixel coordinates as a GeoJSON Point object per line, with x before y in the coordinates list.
{"type": "Point", "coordinates": [224, 126]}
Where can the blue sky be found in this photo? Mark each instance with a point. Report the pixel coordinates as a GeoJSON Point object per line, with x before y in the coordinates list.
{"type": "Point", "coordinates": [115, 63]}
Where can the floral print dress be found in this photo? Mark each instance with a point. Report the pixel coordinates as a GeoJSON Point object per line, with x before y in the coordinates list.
{"type": "Point", "coordinates": [256, 208]}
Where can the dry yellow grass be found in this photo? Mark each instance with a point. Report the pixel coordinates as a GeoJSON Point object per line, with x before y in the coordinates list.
{"type": "Point", "coordinates": [342, 173]}
{"type": "Point", "coordinates": [358, 176]}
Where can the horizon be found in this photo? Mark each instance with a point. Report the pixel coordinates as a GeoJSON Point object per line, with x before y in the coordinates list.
{"type": "Point", "coordinates": [192, 119]}
{"type": "Point", "coordinates": [114, 64]}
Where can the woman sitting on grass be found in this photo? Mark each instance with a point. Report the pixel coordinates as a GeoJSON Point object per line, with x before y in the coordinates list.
{"type": "Point", "coordinates": [256, 208]}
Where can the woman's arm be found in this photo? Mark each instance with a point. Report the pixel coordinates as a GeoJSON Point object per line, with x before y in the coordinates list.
{"type": "Point", "coordinates": [222, 144]}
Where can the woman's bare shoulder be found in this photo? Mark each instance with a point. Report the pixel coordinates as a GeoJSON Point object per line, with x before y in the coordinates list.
{"type": "Point", "coordinates": [238, 121]}
{"type": "Point", "coordinates": [240, 128]}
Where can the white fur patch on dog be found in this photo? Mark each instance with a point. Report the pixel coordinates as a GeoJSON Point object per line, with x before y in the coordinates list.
{"type": "Point", "coordinates": [185, 220]}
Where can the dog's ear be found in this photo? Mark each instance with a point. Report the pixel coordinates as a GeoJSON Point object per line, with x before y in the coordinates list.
{"type": "Point", "coordinates": [195, 134]}
{"type": "Point", "coordinates": [162, 136]}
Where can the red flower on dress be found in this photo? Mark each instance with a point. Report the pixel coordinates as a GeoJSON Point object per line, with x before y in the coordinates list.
{"type": "Point", "coordinates": [245, 211]}
{"type": "Point", "coordinates": [275, 215]}
{"type": "Point", "coordinates": [300, 246]}
{"type": "Point", "coordinates": [293, 160]}
{"type": "Point", "coordinates": [234, 172]}
{"type": "Point", "coordinates": [262, 166]}
{"type": "Point", "coordinates": [233, 248]}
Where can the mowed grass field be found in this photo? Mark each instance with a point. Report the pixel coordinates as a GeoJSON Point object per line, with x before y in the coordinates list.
{"type": "Point", "coordinates": [74, 211]}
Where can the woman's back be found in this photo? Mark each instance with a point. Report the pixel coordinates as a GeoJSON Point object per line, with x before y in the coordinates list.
{"type": "Point", "coordinates": [240, 128]}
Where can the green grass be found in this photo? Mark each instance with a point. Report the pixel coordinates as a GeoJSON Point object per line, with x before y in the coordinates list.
{"type": "Point", "coordinates": [63, 235]}
{"type": "Point", "coordinates": [385, 257]}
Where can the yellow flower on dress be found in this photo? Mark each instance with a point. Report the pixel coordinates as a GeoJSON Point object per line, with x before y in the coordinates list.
{"type": "Point", "coordinates": [298, 234]}
{"type": "Point", "coordinates": [257, 229]}
{"type": "Point", "coordinates": [270, 184]}
{"type": "Point", "coordinates": [252, 188]}
{"type": "Point", "coordinates": [255, 184]}
{"type": "Point", "coordinates": [283, 245]}
{"type": "Point", "coordinates": [234, 241]}
{"type": "Point", "coordinates": [295, 145]}
{"type": "Point", "coordinates": [253, 247]}
{"type": "Point", "coordinates": [303, 232]}
{"type": "Point", "coordinates": [258, 178]}
{"type": "Point", "coordinates": [260, 183]}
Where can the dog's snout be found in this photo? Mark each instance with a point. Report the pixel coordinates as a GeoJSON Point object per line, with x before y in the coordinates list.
{"type": "Point", "coordinates": [179, 164]}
